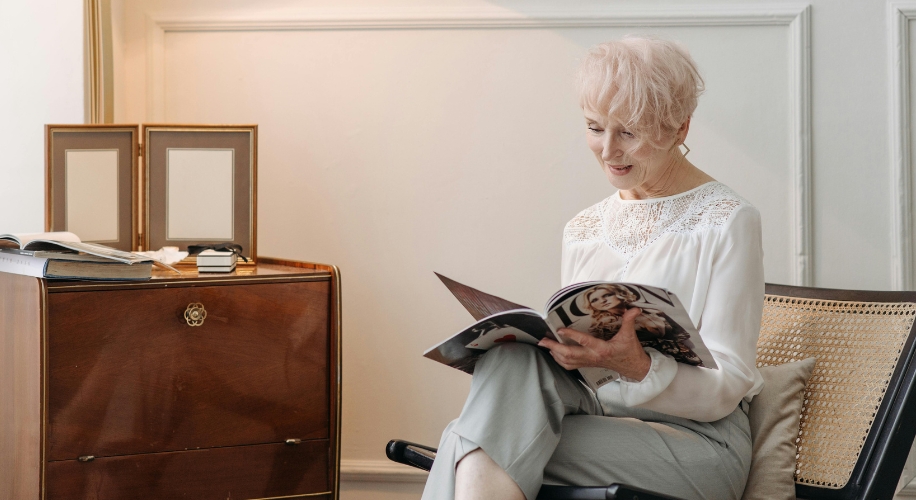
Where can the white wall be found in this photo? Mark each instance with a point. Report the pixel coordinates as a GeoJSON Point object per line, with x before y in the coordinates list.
{"type": "Point", "coordinates": [41, 82]}
{"type": "Point", "coordinates": [398, 138]}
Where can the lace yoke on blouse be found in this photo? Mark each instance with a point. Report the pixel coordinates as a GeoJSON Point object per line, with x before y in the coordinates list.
{"type": "Point", "coordinates": [628, 226]}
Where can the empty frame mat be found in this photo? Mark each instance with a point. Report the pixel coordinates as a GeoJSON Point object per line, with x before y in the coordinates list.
{"type": "Point", "coordinates": [91, 184]}
{"type": "Point", "coordinates": [200, 186]}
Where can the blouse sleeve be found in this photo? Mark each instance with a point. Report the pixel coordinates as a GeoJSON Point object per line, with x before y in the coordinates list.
{"type": "Point", "coordinates": [729, 326]}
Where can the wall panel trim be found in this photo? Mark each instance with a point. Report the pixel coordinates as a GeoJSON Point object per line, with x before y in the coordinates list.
{"type": "Point", "coordinates": [489, 18]}
{"type": "Point", "coordinates": [797, 17]}
{"type": "Point", "coordinates": [380, 471]}
{"type": "Point", "coordinates": [898, 20]}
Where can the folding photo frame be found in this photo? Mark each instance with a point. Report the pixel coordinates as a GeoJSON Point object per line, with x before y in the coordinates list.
{"type": "Point", "coordinates": [200, 187]}
{"type": "Point", "coordinates": [136, 187]}
{"type": "Point", "coordinates": [92, 184]}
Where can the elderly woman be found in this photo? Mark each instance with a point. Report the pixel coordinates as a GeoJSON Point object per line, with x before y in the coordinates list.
{"type": "Point", "coordinates": [665, 426]}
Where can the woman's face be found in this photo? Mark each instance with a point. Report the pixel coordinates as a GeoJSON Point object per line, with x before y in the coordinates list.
{"type": "Point", "coordinates": [604, 300]}
{"type": "Point", "coordinates": [625, 169]}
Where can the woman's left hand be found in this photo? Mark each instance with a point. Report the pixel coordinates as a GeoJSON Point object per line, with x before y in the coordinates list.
{"type": "Point", "coordinates": [622, 353]}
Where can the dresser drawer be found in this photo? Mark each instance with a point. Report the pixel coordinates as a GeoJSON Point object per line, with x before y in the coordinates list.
{"type": "Point", "coordinates": [129, 375]}
{"type": "Point", "coordinates": [243, 472]}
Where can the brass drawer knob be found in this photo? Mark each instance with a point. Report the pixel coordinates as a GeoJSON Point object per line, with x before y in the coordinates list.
{"type": "Point", "coordinates": [195, 314]}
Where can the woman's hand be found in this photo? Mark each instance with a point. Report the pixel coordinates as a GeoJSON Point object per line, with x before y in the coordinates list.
{"type": "Point", "coordinates": [622, 353]}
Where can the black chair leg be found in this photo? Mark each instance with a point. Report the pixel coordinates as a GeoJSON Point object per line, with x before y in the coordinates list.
{"type": "Point", "coordinates": [612, 492]}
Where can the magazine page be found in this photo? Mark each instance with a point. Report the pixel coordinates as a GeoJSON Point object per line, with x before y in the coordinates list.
{"type": "Point", "coordinates": [664, 325]}
{"type": "Point", "coordinates": [478, 303]}
{"type": "Point", "coordinates": [568, 291]}
{"type": "Point", "coordinates": [23, 239]}
{"type": "Point", "coordinates": [68, 256]}
{"type": "Point", "coordinates": [463, 349]}
{"type": "Point", "coordinates": [90, 248]}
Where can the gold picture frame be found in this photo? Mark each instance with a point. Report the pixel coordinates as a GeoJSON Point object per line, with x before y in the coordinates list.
{"type": "Point", "coordinates": [92, 183]}
{"type": "Point", "coordinates": [199, 187]}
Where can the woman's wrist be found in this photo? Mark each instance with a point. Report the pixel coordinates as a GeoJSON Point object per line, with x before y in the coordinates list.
{"type": "Point", "coordinates": [637, 369]}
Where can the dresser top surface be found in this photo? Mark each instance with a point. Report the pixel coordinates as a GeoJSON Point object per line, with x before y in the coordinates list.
{"type": "Point", "coordinates": [271, 270]}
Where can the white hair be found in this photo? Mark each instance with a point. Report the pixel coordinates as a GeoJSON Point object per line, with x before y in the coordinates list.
{"type": "Point", "coordinates": [649, 84]}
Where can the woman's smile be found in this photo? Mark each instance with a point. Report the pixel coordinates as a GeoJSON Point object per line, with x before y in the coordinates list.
{"type": "Point", "coordinates": [619, 169]}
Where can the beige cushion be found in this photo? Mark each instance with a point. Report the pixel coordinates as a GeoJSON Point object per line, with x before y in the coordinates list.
{"type": "Point", "coordinates": [774, 417]}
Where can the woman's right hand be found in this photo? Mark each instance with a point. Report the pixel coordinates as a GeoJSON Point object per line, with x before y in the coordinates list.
{"type": "Point", "coordinates": [622, 353]}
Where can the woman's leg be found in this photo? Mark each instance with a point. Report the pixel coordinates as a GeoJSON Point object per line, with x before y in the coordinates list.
{"type": "Point", "coordinates": [478, 477]}
{"type": "Point", "coordinates": [514, 412]}
{"type": "Point", "coordinates": [669, 455]}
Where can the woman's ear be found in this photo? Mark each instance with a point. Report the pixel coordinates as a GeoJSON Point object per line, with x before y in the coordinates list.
{"type": "Point", "coordinates": [682, 132]}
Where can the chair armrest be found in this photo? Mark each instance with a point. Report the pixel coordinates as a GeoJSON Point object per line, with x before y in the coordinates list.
{"type": "Point", "coordinates": [612, 492]}
{"type": "Point", "coordinates": [412, 454]}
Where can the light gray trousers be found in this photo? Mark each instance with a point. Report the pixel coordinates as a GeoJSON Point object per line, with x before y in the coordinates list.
{"type": "Point", "coordinates": [542, 426]}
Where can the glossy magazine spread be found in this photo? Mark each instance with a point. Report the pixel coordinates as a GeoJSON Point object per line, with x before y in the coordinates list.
{"type": "Point", "coordinates": [593, 307]}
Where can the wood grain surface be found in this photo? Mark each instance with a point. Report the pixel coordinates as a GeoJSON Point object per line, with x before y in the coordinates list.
{"type": "Point", "coordinates": [168, 410]}
{"type": "Point", "coordinates": [242, 472]}
{"type": "Point", "coordinates": [20, 386]}
{"type": "Point", "coordinates": [128, 374]}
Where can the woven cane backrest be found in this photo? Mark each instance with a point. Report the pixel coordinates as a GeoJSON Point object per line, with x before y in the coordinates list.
{"type": "Point", "coordinates": [857, 345]}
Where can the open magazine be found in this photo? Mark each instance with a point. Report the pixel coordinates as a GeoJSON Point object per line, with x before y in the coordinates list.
{"type": "Point", "coordinates": [63, 241]}
{"type": "Point", "coordinates": [593, 307]}
{"type": "Point", "coordinates": [57, 245]}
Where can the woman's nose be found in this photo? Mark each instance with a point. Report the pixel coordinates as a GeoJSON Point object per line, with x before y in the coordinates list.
{"type": "Point", "coordinates": [610, 148]}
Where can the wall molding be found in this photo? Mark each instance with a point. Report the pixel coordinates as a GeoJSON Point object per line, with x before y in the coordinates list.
{"type": "Point", "coordinates": [898, 20]}
{"type": "Point", "coordinates": [800, 48]}
{"type": "Point", "coordinates": [796, 17]}
{"type": "Point", "coordinates": [491, 17]}
{"type": "Point", "coordinates": [379, 471]}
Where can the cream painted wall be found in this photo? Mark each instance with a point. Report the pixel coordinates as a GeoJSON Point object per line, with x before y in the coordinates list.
{"type": "Point", "coordinates": [395, 152]}
{"type": "Point", "coordinates": [41, 82]}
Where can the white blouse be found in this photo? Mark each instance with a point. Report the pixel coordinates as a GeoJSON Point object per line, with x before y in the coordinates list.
{"type": "Point", "coordinates": [705, 246]}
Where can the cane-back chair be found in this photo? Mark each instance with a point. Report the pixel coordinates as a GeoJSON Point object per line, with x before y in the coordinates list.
{"type": "Point", "coordinates": [858, 420]}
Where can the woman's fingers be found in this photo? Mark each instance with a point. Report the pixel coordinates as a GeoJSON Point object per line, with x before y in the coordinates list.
{"type": "Point", "coordinates": [583, 339]}
{"type": "Point", "coordinates": [566, 355]}
{"type": "Point", "coordinates": [586, 350]}
{"type": "Point", "coordinates": [547, 342]}
{"type": "Point", "coordinates": [629, 317]}
{"type": "Point", "coordinates": [556, 347]}
{"type": "Point", "coordinates": [627, 332]}
{"type": "Point", "coordinates": [570, 359]}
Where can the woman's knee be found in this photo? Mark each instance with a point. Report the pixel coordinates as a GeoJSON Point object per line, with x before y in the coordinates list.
{"type": "Point", "coordinates": [513, 353]}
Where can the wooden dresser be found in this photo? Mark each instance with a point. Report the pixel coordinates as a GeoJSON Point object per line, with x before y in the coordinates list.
{"type": "Point", "coordinates": [219, 386]}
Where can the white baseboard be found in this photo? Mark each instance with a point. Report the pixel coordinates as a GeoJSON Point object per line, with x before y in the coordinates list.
{"type": "Point", "coordinates": [380, 471]}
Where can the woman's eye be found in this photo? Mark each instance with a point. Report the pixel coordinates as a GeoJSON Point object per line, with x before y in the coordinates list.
{"type": "Point", "coordinates": [628, 135]}
{"type": "Point", "coordinates": [595, 130]}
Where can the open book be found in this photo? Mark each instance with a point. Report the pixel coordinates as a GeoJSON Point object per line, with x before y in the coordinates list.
{"type": "Point", "coordinates": [593, 307]}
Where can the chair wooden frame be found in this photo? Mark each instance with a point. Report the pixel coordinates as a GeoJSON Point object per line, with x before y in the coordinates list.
{"type": "Point", "coordinates": [880, 461]}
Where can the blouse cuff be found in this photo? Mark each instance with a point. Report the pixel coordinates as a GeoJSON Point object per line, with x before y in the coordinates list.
{"type": "Point", "coordinates": [661, 373]}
